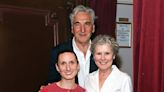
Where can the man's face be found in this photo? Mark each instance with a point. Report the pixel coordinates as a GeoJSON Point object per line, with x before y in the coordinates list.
{"type": "Point", "coordinates": [83, 27]}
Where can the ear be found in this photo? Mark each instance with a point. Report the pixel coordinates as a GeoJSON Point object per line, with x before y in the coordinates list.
{"type": "Point", "coordinates": [57, 68]}
{"type": "Point", "coordinates": [93, 29]}
{"type": "Point", "coordinates": [72, 29]}
{"type": "Point", "coordinates": [114, 57]}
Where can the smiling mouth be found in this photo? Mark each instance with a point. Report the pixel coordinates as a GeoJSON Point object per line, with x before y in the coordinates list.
{"type": "Point", "coordinates": [82, 34]}
{"type": "Point", "coordinates": [103, 63]}
{"type": "Point", "coordinates": [68, 73]}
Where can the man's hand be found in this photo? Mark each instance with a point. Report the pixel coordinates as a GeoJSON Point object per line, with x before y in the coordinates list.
{"type": "Point", "coordinates": [42, 86]}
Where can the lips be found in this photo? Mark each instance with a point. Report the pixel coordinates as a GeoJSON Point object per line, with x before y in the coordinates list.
{"type": "Point", "coordinates": [82, 34]}
{"type": "Point", "coordinates": [103, 63]}
{"type": "Point", "coordinates": [68, 73]}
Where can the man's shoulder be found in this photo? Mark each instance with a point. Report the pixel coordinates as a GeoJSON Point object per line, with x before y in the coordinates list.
{"type": "Point", "coordinates": [67, 44]}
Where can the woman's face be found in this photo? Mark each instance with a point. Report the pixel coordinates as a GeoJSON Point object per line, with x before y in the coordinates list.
{"type": "Point", "coordinates": [103, 56]}
{"type": "Point", "coordinates": [67, 65]}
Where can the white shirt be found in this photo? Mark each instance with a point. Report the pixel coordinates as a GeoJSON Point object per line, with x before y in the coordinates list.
{"type": "Point", "coordinates": [117, 81]}
{"type": "Point", "coordinates": [83, 62]}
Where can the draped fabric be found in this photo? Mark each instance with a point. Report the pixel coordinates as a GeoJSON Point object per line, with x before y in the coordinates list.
{"type": "Point", "coordinates": [77, 2]}
{"type": "Point", "coordinates": [106, 15]}
{"type": "Point", "coordinates": [148, 46]}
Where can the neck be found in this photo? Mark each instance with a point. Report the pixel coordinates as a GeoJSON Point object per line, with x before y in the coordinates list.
{"type": "Point", "coordinates": [105, 72]}
{"type": "Point", "coordinates": [83, 46]}
{"type": "Point", "coordinates": [67, 84]}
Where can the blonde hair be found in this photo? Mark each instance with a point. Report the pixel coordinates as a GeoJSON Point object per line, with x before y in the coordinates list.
{"type": "Point", "coordinates": [105, 39]}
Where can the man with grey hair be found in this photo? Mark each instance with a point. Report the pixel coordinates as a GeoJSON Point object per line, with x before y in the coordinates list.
{"type": "Point", "coordinates": [82, 26]}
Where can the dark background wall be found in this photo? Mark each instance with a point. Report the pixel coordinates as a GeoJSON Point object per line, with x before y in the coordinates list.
{"type": "Point", "coordinates": [61, 8]}
{"type": "Point", "coordinates": [26, 41]}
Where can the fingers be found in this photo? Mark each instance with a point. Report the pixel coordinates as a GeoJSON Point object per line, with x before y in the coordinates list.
{"type": "Point", "coordinates": [41, 87]}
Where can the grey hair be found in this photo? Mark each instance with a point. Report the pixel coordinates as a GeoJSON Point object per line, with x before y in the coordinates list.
{"type": "Point", "coordinates": [81, 8]}
{"type": "Point", "coordinates": [105, 39]}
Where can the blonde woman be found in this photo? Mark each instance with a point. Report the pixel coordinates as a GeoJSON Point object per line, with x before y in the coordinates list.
{"type": "Point", "coordinates": [108, 78]}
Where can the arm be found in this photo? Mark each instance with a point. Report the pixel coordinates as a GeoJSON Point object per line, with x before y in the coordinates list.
{"type": "Point", "coordinates": [43, 88]}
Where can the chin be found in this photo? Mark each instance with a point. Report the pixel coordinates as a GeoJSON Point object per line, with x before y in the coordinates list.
{"type": "Point", "coordinates": [70, 78]}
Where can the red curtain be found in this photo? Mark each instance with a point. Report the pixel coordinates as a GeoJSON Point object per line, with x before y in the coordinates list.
{"type": "Point", "coordinates": [148, 46]}
{"type": "Point", "coordinates": [106, 12]}
{"type": "Point", "coordinates": [77, 2]}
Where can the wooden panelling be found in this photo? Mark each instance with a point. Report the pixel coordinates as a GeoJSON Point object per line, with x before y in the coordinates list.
{"type": "Point", "coordinates": [25, 45]}
{"type": "Point", "coordinates": [26, 41]}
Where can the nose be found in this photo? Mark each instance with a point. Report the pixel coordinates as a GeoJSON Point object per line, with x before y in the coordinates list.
{"type": "Point", "coordinates": [103, 57]}
{"type": "Point", "coordinates": [68, 67]}
{"type": "Point", "coordinates": [82, 28]}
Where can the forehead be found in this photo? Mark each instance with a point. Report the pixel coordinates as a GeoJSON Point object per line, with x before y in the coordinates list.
{"type": "Point", "coordinates": [66, 56]}
{"type": "Point", "coordinates": [100, 47]}
{"type": "Point", "coordinates": [82, 16]}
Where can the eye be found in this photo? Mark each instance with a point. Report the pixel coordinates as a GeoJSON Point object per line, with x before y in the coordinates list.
{"type": "Point", "coordinates": [76, 24]}
{"type": "Point", "coordinates": [62, 63]}
{"type": "Point", "coordinates": [88, 23]}
{"type": "Point", "coordinates": [72, 62]}
{"type": "Point", "coordinates": [107, 53]}
{"type": "Point", "coordinates": [98, 53]}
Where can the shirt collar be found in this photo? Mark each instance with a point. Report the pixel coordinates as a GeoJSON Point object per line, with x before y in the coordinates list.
{"type": "Point", "coordinates": [75, 46]}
